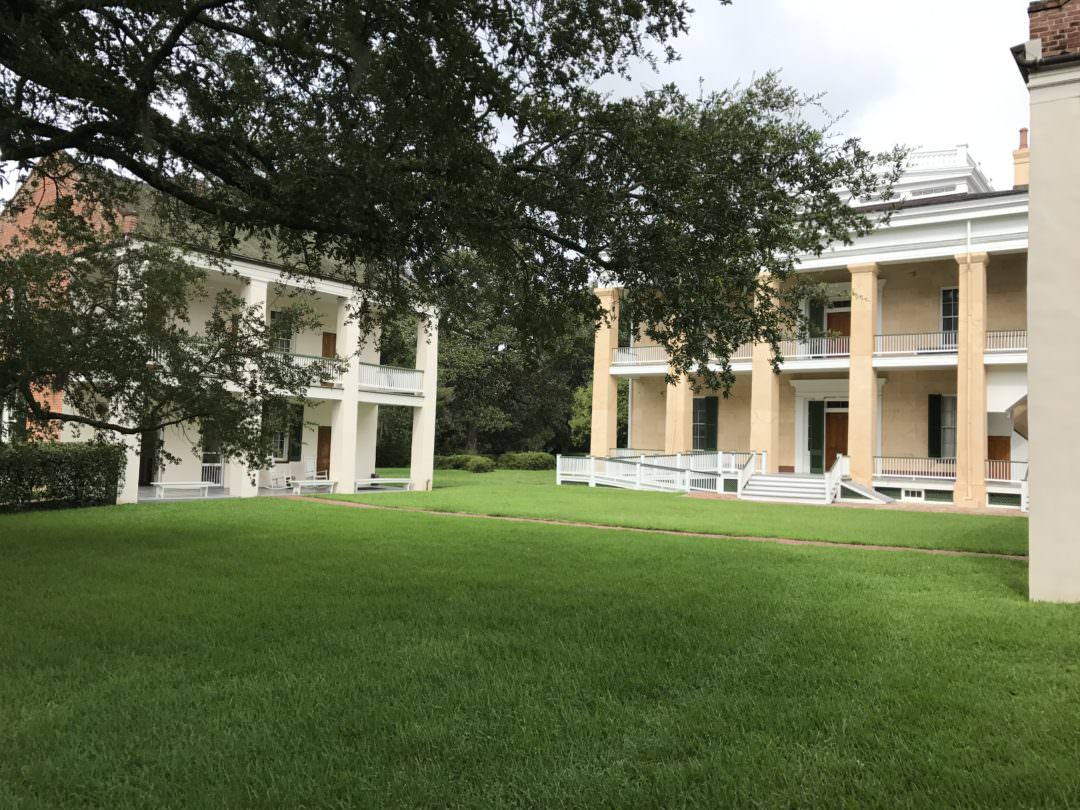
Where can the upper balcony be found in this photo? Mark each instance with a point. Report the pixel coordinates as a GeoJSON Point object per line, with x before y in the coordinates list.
{"type": "Point", "coordinates": [392, 379]}
{"type": "Point", "coordinates": [939, 349]}
{"type": "Point", "coordinates": [910, 350]}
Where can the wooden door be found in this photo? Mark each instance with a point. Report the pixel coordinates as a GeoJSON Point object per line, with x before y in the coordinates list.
{"type": "Point", "coordinates": [329, 344]}
{"type": "Point", "coordinates": [838, 323]}
{"type": "Point", "coordinates": [322, 453]}
{"type": "Point", "coordinates": [836, 426]}
{"type": "Point", "coordinates": [999, 448]}
{"type": "Point", "coordinates": [999, 453]}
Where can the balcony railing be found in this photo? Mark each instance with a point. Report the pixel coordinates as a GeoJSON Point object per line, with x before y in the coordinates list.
{"type": "Point", "coordinates": [914, 467]}
{"type": "Point", "coordinates": [391, 378]}
{"type": "Point", "coordinates": [328, 369]}
{"type": "Point", "coordinates": [1012, 472]}
{"type": "Point", "coordinates": [916, 343]}
{"type": "Point", "coordinates": [1013, 340]}
{"type": "Point", "coordinates": [638, 355]}
{"type": "Point", "coordinates": [816, 348]}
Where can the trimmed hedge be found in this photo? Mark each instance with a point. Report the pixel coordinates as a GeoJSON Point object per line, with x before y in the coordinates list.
{"type": "Point", "coordinates": [527, 461]}
{"type": "Point", "coordinates": [464, 461]}
{"type": "Point", "coordinates": [53, 475]}
{"type": "Point", "coordinates": [479, 464]}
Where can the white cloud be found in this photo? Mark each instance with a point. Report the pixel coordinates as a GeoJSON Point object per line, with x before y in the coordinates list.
{"type": "Point", "coordinates": [924, 73]}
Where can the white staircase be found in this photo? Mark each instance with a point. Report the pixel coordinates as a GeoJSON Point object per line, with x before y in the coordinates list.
{"type": "Point", "coordinates": [786, 488]}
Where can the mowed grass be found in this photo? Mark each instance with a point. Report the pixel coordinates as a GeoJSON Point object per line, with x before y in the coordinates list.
{"type": "Point", "coordinates": [270, 654]}
{"type": "Point", "coordinates": [535, 495]}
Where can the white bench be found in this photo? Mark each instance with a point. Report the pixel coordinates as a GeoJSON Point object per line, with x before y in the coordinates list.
{"type": "Point", "coordinates": [373, 483]}
{"type": "Point", "coordinates": [299, 485]}
{"type": "Point", "coordinates": [161, 486]}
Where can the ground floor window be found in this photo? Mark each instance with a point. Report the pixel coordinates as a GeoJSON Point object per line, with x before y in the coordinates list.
{"type": "Point", "coordinates": [706, 410]}
{"type": "Point", "coordinates": [287, 442]}
{"type": "Point", "coordinates": [941, 427]}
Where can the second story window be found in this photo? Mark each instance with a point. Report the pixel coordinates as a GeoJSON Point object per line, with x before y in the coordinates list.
{"type": "Point", "coordinates": [282, 343]}
{"type": "Point", "coordinates": [950, 309]}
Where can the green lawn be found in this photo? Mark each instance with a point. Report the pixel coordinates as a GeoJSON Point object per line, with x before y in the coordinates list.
{"type": "Point", "coordinates": [272, 654]}
{"type": "Point", "coordinates": [534, 494]}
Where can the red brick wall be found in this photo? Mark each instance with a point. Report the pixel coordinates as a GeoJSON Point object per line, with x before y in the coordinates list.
{"type": "Point", "coordinates": [1057, 24]}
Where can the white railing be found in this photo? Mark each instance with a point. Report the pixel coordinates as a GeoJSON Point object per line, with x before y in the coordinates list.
{"type": "Point", "coordinates": [743, 354]}
{"type": "Point", "coordinates": [635, 475]}
{"type": "Point", "coordinates": [840, 468]}
{"type": "Point", "coordinates": [328, 369]}
{"type": "Point", "coordinates": [816, 348]}
{"type": "Point", "coordinates": [746, 471]}
{"type": "Point", "coordinates": [212, 474]}
{"type": "Point", "coordinates": [914, 467]}
{"type": "Point", "coordinates": [1006, 471]}
{"type": "Point", "coordinates": [632, 452]}
{"type": "Point", "coordinates": [916, 343]}
{"type": "Point", "coordinates": [718, 461]}
{"type": "Point", "coordinates": [391, 378]}
{"type": "Point", "coordinates": [631, 355]}
{"type": "Point", "coordinates": [1012, 340]}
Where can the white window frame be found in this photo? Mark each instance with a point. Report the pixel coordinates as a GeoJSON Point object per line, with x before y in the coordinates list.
{"type": "Point", "coordinates": [283, 345]}
{"type": "Point", "coordinates": [944, 427]}
{"type": "Point", "coordinates": [941, 309]}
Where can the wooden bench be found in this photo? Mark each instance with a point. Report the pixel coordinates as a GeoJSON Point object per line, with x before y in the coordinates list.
{"type": "Point", "coordinates": [375, 483]}
{"type": "Point", "coordinates": [161, 486]}
{"type": "Point", "coordinates": [299, 485]}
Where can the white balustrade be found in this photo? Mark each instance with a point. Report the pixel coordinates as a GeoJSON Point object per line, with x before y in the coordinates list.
{"type": "Point", "coordinates": [914, 467]}
{"type": "Point", "coordinates": [916, 343]}
{"type": "Point", "coordinates": [328, 369]}
{"type": "Point", "coordinates": [1012, 340]}
{"type": "Point", "coordinates": [1006, 471]}
{"type": "Point", "coordinates": [816, 348]}
{"type": "Point", "coordinates": [635, 355]}
{"type": "Point", "coordinates": [834, 476]}
{"type": "Point", "coordinates": [391, 378]}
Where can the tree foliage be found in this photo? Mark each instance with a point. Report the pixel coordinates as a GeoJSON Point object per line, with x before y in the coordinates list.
{"type": "Point", "coordinates": [379, 141]}
{"type": "Point", "coordinates": [103, 315]}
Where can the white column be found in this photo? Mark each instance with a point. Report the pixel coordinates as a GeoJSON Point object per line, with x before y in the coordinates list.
{"type": "Point", "coordinates": [422, 461]}
{"type": "Point", "coordinates": [367, 429]}
{"type": "Point", "coordinates": [128, 492]}
{"type": "Point", "coordinates": [242, 482]}
{"type": "Point", "coordinates": [343, 464]}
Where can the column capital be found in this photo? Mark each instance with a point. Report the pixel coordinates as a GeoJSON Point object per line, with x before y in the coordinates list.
{"type": "Point", "coordinates": [972, 258]}
{"type": "Point", "coordinates": [608, 293]}
{"type": "Point", "coordinates": [872, 267]}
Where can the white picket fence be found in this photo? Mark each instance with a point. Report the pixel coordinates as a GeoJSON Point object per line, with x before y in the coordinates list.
{"type": "Point", "coordinates": [678, 472]}
{"type": "Point", "coordinates": [391, 378]}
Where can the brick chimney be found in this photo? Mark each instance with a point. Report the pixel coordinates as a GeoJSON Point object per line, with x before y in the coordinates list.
{"type": "Point", "coordinates": [1056, 24]}
{"type": "Point", "coordinates": [1022, 162]}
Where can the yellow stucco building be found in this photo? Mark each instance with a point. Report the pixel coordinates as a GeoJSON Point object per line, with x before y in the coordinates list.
{"type": "Point", "coordinates": [918, 380]}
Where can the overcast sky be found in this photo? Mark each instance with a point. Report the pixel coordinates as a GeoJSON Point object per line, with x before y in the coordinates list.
{"type": "Point", "coordinates": [923, 73]}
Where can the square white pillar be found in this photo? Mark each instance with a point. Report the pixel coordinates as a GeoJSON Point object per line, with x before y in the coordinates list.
{"type": "Point", "coordinates": [422, 458]}
{"type": "Point", "coordinates": [128, 491]}
{"type": "Point", "coordinates": [367, 431]}
{"type": "Point", "coordinates": [345, 418]}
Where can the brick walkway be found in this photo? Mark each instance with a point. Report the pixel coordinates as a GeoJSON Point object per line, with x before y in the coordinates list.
{"type": "Point", "coordinates": [783, 541]}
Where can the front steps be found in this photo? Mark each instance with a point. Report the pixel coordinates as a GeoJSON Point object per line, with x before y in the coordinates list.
{"type": "Point", "coordinates": [785, 488]}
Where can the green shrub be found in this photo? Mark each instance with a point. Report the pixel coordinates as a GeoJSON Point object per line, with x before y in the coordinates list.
{"type": "Point", "coordinates": [527, 461]}
{"type": "Point", "coordinates": [51, 475]}
{"type": "Point", "coordinates": [459, 461]}
{"type": "Point", "coordinates": [479, 464]}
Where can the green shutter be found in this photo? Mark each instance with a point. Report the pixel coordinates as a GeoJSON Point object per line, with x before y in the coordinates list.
{"type": "Point", "coordinates": [933, 427]}
{"type": "Point", "coordinates": [816, 436]}
{"type": "Point", "coordinates": [712, 425]}
{"type": "Point", "coordinates": [817, 319]}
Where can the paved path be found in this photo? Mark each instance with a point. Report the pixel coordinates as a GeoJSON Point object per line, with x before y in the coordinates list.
{"type": "Point", "coordinates": [784, 541]}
